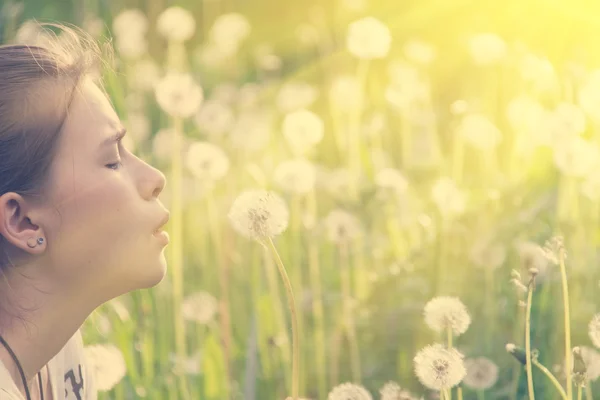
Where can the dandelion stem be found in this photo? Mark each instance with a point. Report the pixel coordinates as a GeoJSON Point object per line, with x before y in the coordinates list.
{"type": "Point", "coordinates": [563, 273]}
{"type": "Point", "coordinates": [449, 337]}
{"type": "Point", "coordinates": [528, 343]}
{"type": "Point", "coordinates": [588, 391]}
{"type": "Point", "coordinates": [319, 331]}
{"type": "Point", "coordinates": [551, 377]}
{"type": "Point", "coordinates": [459, 393]}
{"type": "Point", "coordinates": [348, 316]}
{"type": "Point", "coordinates": [292, 305]}
{"type": "Point", "coordinates": [579, 392]}
{"type": "Point", "coordinates": [480, 395]}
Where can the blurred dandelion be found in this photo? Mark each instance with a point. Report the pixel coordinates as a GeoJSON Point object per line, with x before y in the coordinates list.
{"type": "Point", "coordinates": [588, 95]}
{"type": "Point", "coordinates": [393, 391]}
{"type": "Point", "coordinates": [342, 227]}
{"type": "Point", "coordinates": [206, 161]}
{"type": "Point", "coordinates": [229, 30]}
{"type": "Point", "coordinates": [145, 74]}
{"type": "Point", "coordinates": [594, 330]}
{"type": "Point", "coordinates": [482, 373]}
{"type": "Point", "coordinates": [446, 312]}
{"type": "Point", "coordinates": [487, 48]}
{"type": "Point", "coordinates": [294, 96]}
{"type": "Point", "coordinates": [393, 180]}
{"type": "Point", "coordinates": [214, 118]}
{"type": "Point", "coordinates": [106, 363]}
{"type": "Point", "coordinates": [302, 129]}
{"type": "Point", "coordinates": [199, 307]}
{"type": "Point", "coordinates": [346, 93]}
{"type": "Point", "coordinates": [368, 38]}
{"type": "Point", "coordinates": [349, 391]}
{"type": "Point", "coordinates": [251, 131]}
{"type": "Point", "coordinates": [176, 24]}
{"type": "Point", "coordinates": [449, 199]}
{"type": "Point", "coordinates": [130, 22]}
{"type": "Point", "coordinates": [295, 176]}
{"type": "Point", "coordinates": [419, 51]}
{"type": "Point", "coordinates": [178, 94]}
{"type": "Point", "coordinates": [576, 157]}
{"type": "Point", "coordinates": [187, 365]}
{"type": "Point", "coordinates": [479, 132]}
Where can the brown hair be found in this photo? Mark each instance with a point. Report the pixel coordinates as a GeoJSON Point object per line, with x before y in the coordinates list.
{"type": "Point", "coordinates": [37, 83]}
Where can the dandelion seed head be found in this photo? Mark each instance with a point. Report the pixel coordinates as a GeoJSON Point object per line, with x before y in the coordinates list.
{"type": "Point", "coordinates": [346, 93]}
{"type": "Point", "coordinates": [178, 94]}
{"type": "Point", "coordinates": [208, 162]}
{"type": "Point", "coordinates": [576, 156]}
{"type": "Point", "coordinates": [302, 129]}
{"type": "Point", "coordinates": [449, 199]}
{"type": "Point", "coordinates": [342, 227]}
{"type": "Point", "coordinates": [296, 95]}
{"type": "Point", "coordinates": [531, 255]}
{"type": "Point", "coordinates": [554, 248]}
{"type": "Point", "coordinates": [252, 131]}
{"type": "Point", "coordinates": [391, 179]}
{"type": "Point", "coordinates": [295, 176]}
{"type": "Point", "coordinates": [392, 391]}
{"type": "Point", "coordinates": [145, 74]}
{"type": "Point", "coordinates": [487, 48]}
{"type": "Point", "coordinates": [229, 29]}
{"type": "Point", "coordinates": [214, 118]}
{"type": "Point", "coordinates": [591, 358]}
{"type": "Point", "coordinates": [445, 312]}
{"type": "Point", "coordinates": [259, 214]}
{"type": "Point", "coordinates": [199, 307]}
{"type": "Point", "coordinates": [438, 368]}
{"type": "Point", "coordinates": [594, 330]}
{"type": "Point", "coordinates": [419, 51]}
{"type": "Point", "coordinates": [368, 38]}
{"type": "Point", "coordinates": [482, 373]}
{"type": "Point", "coordinates": [349, 391]}
{"type": "Point", "coordinates": [106, 363]}
{"type": "Point", "coordinates": [487, 253]}
{"type": "Point", "coordinates": [524, 115]}
{"type": "Point", "coordinates": [130, 22]}
{"type": "Point", "coordinates": [479, 131]}
{"type": "Point", "coordinates": [589, 95]}
{"type": "Point", "coordinates": [176, 24]}
{"type": "Point", "coordinates": [131, 47]}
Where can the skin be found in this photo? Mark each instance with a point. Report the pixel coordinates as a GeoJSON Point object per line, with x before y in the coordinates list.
{"type": "Point", "coordinates": [97, 220]}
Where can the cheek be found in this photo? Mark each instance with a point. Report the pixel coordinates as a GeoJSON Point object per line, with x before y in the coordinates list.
{"type": "Point", "coordinates": [97, 226]}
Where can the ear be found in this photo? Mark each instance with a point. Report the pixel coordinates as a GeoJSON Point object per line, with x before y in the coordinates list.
{"type": "Point", "coordinates": [16, 225]}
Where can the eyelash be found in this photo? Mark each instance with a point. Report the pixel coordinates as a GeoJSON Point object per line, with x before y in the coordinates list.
{"type": "Point", "coordinates": [118, 164]}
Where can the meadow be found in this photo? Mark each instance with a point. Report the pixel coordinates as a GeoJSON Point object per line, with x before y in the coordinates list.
{"type": "Point", "coordinates": [369, 199]}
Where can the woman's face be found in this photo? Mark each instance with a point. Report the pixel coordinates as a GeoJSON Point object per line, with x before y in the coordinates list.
{"type": "Point", "coordinates": [100, 219]}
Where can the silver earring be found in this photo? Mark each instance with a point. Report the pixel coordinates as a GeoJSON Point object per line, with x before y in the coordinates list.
{"type": "Point", "coordinates": [33, 244]}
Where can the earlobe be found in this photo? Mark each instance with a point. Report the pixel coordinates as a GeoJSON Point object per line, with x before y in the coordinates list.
{"type": "Point", "coordinates": [15, 227]}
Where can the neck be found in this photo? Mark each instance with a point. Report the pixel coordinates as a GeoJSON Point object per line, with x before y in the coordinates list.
{"type": "Point", "coordinates": [51, 318]}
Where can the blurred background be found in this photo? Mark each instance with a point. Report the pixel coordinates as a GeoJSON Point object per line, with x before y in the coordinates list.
{"type": "Point", "coordinates": [424, 148]}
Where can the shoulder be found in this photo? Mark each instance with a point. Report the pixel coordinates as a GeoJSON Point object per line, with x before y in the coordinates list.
{"type": "Point", "coordinates": [76, 371]}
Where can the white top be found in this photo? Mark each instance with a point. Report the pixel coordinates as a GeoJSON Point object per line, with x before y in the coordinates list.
{"type": "Point", "coordinates": [69, 377]}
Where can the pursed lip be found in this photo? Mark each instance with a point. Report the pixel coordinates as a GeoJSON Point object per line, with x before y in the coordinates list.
{"type": "Point", "coordinates": [163, 222]}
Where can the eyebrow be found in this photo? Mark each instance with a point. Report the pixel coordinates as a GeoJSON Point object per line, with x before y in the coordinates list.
{"type": "Point", "coordinates": [114, 138]}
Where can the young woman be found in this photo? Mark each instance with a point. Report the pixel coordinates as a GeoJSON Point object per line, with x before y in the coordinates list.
{"type": "Point", "coordinates": [80, 217]}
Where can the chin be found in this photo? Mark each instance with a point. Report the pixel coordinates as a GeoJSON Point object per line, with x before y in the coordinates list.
{"type": "Point", "coordinates": [152, 275]}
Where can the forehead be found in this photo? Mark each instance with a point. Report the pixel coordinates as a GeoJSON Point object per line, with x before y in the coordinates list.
{"type": "Point", "coordinates": [90, 118]}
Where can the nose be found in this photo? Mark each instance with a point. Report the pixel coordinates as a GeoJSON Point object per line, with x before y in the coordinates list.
{"type": "Point", "coordinates": [153, 183]}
